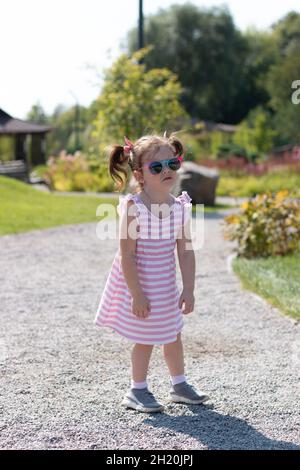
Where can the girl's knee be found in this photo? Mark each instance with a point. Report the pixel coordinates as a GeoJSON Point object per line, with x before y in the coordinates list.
{"type": "Point", "coordinates": [175, 343]}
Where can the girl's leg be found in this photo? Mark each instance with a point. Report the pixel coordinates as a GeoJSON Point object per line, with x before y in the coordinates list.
{"type": "Point", "coordinates": [140, 358]}
{"type": "Point", "coordinates": [181, 391]}
{"type": "Point", "coordinates": [174, 357]}
{"type": "Point", "coordinates": [139, 397]}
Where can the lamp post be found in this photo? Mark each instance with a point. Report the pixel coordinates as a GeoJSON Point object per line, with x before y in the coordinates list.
{"type": "Point", "coordinates": [141, 26]}
{"type": "Point", "coordinates": [141, 29]}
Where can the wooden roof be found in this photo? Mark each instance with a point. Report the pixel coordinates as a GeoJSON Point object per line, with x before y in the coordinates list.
{"type": "Point", "coordinates": [209, 126]}
{"type": "Point", "coordinates": [10, 126]}
{"type": "Point", "coordinates": [219, 126]}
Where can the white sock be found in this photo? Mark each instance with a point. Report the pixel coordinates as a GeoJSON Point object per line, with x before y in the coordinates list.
{"type": "Point", "coordinates": [138, 384]}
{"type": "Point", "coordinates": [177, 379]}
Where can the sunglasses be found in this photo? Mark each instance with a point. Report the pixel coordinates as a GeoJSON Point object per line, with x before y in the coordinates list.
{"type": "Point", "coordinates": [156, 167]}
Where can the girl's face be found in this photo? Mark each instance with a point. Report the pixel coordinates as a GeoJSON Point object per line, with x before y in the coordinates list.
{"type": "Point", "coordinates": [163, 181]}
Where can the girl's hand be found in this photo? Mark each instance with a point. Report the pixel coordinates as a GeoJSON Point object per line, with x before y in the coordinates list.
{"type": "Point", "coordinates": [140, 305]}
{"type": "Point", "coordinates": [188, 298]}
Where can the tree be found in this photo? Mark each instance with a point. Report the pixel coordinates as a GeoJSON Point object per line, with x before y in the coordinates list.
{"type": "Point", "coordinates": [37, 114]}
{"type": "Point", "coordinates": [255, 133]}
{"type": "Point", "coordinates": [262, 52]}
{"type": "Point", "coordinates": [63, 135]}
{"type": "Point", "coordinates": [134, 101]}
{"type": "Point", "coordinates": [279, 79]}
{"type": "Point", "coordinates": [209, 55]}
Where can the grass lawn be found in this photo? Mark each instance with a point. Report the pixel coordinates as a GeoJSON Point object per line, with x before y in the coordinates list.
{"type": "Point", "coordinates": [277, 279]}
{"type": "Point", "coordinates": [215, 208]}
{"type": "Point", "coordinates": [24, 208]}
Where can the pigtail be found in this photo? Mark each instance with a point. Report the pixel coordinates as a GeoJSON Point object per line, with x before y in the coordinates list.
{"type": "Point", "coordinates": [175, 142]}
{"type": "Point", "coordinates": [117, 161]}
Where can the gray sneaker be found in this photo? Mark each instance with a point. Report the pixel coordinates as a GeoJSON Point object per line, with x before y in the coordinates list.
{"type": "Point", "coordinates": [141, 399]}
{"type": "Point", "coordinates": [185, 393]}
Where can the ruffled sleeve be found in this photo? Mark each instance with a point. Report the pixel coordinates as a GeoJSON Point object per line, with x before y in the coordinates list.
{"type": "Point", "coordinates": [185, 201]}
{"type": "Point", "coordinates": [122, 203]}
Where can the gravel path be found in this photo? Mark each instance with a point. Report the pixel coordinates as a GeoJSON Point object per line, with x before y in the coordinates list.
{"type": "Point", "coordinates": [62, 377]}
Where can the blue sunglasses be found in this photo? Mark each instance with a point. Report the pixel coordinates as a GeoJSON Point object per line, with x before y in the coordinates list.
{"type": "Point", "coordinates": [156, 167]}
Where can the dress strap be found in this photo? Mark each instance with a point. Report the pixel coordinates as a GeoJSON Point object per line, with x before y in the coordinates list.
{"type": "Point", "coordinates": [184, 198]}
{"type": "Point", "coordinates": [185, 201]}
{"type": "Point", "coordinates": [123, 199]}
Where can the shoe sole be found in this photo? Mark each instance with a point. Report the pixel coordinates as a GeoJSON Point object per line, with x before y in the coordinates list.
{"type": "Point", "coordinates": [136, 406]}
{"type": "Point", "coordinates": [179, 399]}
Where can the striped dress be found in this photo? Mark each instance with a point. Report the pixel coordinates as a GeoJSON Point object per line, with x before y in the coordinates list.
{"type": "Point", "coordinates": [156, 267]}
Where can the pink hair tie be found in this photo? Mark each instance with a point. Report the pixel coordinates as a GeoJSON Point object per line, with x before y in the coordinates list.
{"type": "Point", "coordinates": [128, 146]}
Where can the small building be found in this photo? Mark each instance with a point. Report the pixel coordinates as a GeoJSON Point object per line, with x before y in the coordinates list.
{"type": "Point", "coordinates": [210, 126]}
{"type": "Point", "coordinates": [22, 146]}
{"type": "Point", "coordinates": [285, 154]}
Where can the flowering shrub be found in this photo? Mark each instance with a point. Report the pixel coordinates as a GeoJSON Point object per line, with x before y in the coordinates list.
{"type": "Point", "coordinates": [75, 173]}
{"type": "Point", "coordinates": [267, 225]}
{"type": "Point", "coordinates": [250, 186]}
{"type": "Point", "coordinates": [238, 166]}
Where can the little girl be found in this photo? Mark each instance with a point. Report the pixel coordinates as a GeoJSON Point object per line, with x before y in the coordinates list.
{"type": "Point", "coordinates": [141, 299]}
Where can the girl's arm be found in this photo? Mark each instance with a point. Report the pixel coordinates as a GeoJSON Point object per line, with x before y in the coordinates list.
{"type": "Point", "coordinates": [186, 257]}
{"type": "Point", "coordinates": [128, 235]}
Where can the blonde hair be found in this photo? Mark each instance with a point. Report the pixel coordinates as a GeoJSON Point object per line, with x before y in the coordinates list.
{"type": "Point", "coordinates": [145, 145]}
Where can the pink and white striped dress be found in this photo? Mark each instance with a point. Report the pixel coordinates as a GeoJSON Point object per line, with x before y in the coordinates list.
{"type": "Point", "coordinates": [156, 266]}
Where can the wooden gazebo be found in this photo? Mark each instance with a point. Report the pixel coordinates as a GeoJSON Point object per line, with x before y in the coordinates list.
{"type": "Point", "coordinates": [24, 154]}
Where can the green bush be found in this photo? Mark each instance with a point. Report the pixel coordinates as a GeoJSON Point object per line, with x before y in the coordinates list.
{"type": "Point", "coordinates": [267, 225]}
{"type": "Point", "coordinates": [39, 170]}
{"type": "Point", "coordinates": [77, 173]}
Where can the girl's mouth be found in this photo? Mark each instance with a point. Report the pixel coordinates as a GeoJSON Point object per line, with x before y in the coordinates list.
{"type": "Point", "coordinates": [167, 178]}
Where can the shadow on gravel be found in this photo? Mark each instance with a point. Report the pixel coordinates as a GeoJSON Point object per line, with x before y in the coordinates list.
{"type": "Point", "coordinates": [217, 431]}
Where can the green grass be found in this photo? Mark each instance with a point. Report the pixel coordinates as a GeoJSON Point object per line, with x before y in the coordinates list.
{"type": "Point", "coordinates": [277, 279]}
{"type": "Point", "coordinates": [216, 207]}
{"type": "Point", "coordinates": [23, 208]}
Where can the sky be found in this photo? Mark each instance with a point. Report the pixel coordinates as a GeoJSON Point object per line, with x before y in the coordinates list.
{"type": "Point", "coordinates": [54, 51]}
